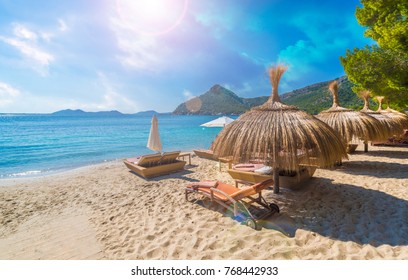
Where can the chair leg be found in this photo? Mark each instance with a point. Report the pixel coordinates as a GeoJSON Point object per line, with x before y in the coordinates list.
{"type": "Point", "coordinates": [235, 210]}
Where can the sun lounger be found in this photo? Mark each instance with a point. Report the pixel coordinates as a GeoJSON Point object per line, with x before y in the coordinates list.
{"type": "Point", "coordinates": [401, 141]}
{"type": "Point", "coordinates": [238, 200]}
{"type": "Point", "coordinates": [208, 154]}
{"type": "Point", "coordinates": [149, 166]}
{"type": "Point", "coordinates": [247, 177]}
{"type": "Point", "coordinates": [396, 141]}
{"type": "Point", "coordinates": [169, 157]}
{"type": "Point", "coordinates": [291, 180]}
{"type": "Point", "coordinates": [146, 160]}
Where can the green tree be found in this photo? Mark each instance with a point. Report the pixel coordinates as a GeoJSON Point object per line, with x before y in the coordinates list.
{"type": "Point", "coordinates": [382, 68]}
{"type": "Point", "coordinates": [386, 22]}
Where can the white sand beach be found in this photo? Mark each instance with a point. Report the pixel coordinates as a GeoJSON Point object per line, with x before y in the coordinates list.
{"type": "Point", "coordinates": [356, 211]}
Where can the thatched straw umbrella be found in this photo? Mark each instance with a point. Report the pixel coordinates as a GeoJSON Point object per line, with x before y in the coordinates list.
{"type": "Point", "coordinates": [395, 115]}
{"type": "Point", "coordinates": [280, 135]}
{"type": "Point", "coordinates": [351, 125]}
{"type": "Point", "coordinates": [391, 127]}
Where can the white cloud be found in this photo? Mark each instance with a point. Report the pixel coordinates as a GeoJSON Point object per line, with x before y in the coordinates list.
{"type": "Point", "coordinates": [241, 89]}
{"type": "Point", "coordinates": [218, 21]}
{"type": "Point", "coordinates": [111, 98]}
{"type": "Point", "coordinates": [7, 94]}
{"type": "Point", "coordinates": [27, 43]}
{"type": "Point", "coordinates": [138, 51]}
{"type": "Point", "coordinates": [30, 51]}
{"type": "Point", "coordinates": [47, 36]}
{"type": "Point", "coordinates": [62, 26]}
{"type": "Point", "coordinates": [322, 43]}
{"type": "Point", "coordinates": [188, 94]}
{"type": "Point", "coordinates": [299, 58]}
{"type": "Point", "coordinates": [23, 32]}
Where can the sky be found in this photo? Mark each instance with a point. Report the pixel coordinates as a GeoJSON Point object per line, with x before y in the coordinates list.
{"type": "Point", "coordinates": [137, 55]}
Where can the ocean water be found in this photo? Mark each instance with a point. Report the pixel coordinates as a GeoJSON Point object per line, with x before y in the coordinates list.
{"type": "Point", "coordinates": [32, 145]}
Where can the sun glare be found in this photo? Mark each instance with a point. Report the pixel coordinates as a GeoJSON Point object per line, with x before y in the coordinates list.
{"type": "Point", "coordinates": [152, 17]}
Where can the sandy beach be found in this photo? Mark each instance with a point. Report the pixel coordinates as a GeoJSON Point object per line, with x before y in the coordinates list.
{"type": "Point", "coordinates": [356, 211]}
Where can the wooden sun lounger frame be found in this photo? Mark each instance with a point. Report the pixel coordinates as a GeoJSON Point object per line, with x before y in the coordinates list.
{"type": "Point", "coordinates": [248, 178]}
{"type": "Point", "coordinates": [240, 208]}
{"type": "Point", "coordinates": [150, 166]}
{"type": "Point", "coordinates": [205, 154]}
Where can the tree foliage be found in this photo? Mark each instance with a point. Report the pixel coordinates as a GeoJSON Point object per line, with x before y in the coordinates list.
{"type": "Point", "coordinates": [386, 22]}
{"type": "Point", "coordinates": [383, 68]}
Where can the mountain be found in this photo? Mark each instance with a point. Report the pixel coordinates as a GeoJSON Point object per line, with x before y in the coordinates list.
{"type": "Point", "coordinates": [312, 99]}
{"type": "Point", "coordinates": [80, 113]}
{"type": "Point", "coordinates": [217, 100]}
{"type": "Point", "coordinates": [148, 113]}
{"type": "Point", "coordinates": [317, 97]}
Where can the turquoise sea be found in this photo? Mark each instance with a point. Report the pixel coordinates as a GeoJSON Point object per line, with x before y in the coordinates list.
{"type": "Point", "coordinates": [32, 145]}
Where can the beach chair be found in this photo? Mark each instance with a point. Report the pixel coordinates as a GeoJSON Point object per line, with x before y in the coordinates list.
{"type": "Point", "coordinates": [396, 141]}
{"type": "Point", "coordinates": [289, 180]}
{"type": "Point", "coordinates": [240, 201]}
{"type": "Point", "coordinates": [150, 166]}
{"type": "Point", "coordinates": [208, 154]}
{"type": "Point", "coordinates": [247, 177]}
{"type": "Point", "coordinates": [169, 157]}
{"type": "Point", "coordinates": [146, 160]}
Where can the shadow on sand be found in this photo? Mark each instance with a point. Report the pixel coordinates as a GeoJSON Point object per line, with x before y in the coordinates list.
{"type": "Point", "coordinates": [344, 212]}
{"type": "Point", "coordinates": [179, 175]}
{"type": "Point", "coordinates": [401, 153]}
{"type": "Point", "coordinates": [338, 211]}
{"type": "Point", "coordinates": [381, 169]}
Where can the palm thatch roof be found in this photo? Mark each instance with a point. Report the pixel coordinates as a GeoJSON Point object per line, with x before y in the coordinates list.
{"type": "Point", "coordinates": [351, 125]}
{"type": "Point", "coordinates": [395, 115]}
{"type": "Point", "coordinates": [391, 126]}
{"type": "Point", "coordinates": [280, 135]}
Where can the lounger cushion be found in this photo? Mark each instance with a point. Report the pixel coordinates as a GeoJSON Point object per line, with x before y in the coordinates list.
{"type": "Point", "coordinates": [234, 192]}
{"type": "Point", "coordinates": [264, 170]}
{"type": "Point", "coordinates": [237, 193]}
{"type": "Point", "coordinates": [247, 167]}
{"type": "Point", "coordinates": [134, 159]}
{"type": "Point", "coordinates": [206, 186]}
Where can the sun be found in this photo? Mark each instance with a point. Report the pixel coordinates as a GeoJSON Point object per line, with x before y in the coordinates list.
{"type": "Point", "coordinates": [152, 17]}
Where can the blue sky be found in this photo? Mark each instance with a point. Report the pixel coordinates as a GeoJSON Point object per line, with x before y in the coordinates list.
{"type": "Point", "coordinates": [136, 55]}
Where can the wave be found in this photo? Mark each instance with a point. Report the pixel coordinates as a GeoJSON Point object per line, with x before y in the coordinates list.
{"type": "Point", "coordinates": [23, 174]}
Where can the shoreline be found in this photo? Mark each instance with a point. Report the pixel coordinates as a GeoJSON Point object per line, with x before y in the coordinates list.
{"type": "Point", "coordinates": [9, 180]}
{"type": "Point", "coordinates": [356, 211]}
{"type": "Point", "coordinates": [5, 179]}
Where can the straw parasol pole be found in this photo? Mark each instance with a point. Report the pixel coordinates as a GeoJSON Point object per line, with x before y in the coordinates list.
{"type": "Point", "coordinates": [395, 115]}
{"type": "Point", "coordinates": [280, 135]}
{"type": "Point", "coordinates": [350, 124]}
{"type": "Point", "coordinates": [391, 127]}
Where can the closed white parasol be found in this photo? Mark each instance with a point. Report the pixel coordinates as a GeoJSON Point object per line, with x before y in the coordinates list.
{"type": "Point", "coordinates": [154, 142]}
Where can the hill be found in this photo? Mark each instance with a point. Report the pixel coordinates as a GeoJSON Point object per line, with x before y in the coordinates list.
{"type": "Point", "coordinates": [217, 100]}
{"type": "Point", "coordinates": [312, 99]}
{"type": "Point", "coordinates": [149, 113]}
{"type": "Point", "coordinates": [317, 97]}
{"type": "Point", "coordinates": [80, 113]}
